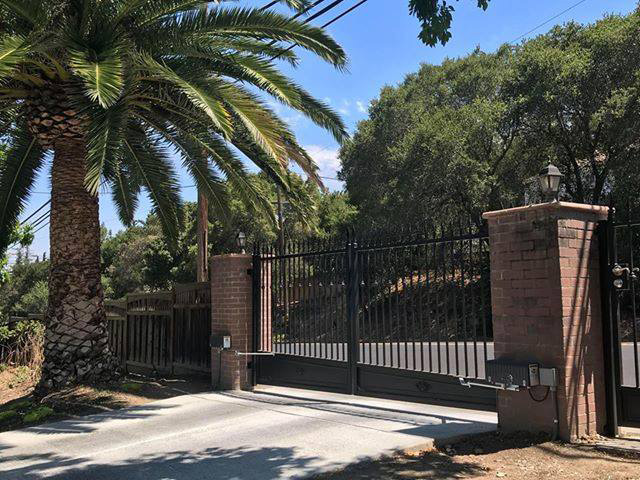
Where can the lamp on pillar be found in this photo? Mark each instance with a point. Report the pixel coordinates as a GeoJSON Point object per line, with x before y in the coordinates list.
{"type": "Point", "coordinates": [241, 241]}
{"type": "Point", "coordinates": [549, 179]}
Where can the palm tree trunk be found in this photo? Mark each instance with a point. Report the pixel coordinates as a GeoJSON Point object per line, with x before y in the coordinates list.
{"type": "Point", "coordinates": [76, 340]}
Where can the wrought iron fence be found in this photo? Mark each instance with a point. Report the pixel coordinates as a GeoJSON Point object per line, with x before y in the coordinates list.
{"type": "Point", "coordinates": [416, 301]}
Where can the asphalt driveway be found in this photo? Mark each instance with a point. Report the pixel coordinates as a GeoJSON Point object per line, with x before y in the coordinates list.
{"type": "Point", "coordinates": [273, 433]}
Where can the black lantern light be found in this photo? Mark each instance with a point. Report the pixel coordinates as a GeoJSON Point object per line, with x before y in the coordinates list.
{"type": "Point", "coordinates": [241, 241]}
{"type": "Point", "coordinates": [549, 179]}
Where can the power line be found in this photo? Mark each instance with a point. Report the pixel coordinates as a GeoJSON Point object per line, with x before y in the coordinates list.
{"type": "Point", "coordinates": [41, 207]}
{"type": "Point", "coordinates": [40, 219]}
{"type": "Point", "coordinates": [346, 12]}
{"type": "Point", "coordinates": [43, 226]}
{"type": "Point", "coordinates": [547, 21]}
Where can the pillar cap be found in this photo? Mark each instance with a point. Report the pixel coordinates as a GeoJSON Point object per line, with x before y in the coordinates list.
{"type": "Point", "coordinates": [600, 211]}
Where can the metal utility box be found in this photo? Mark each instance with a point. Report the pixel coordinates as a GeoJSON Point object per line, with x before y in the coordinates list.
{"type": "Point", "coordinates": [507, 373]}
{"type": "Point", "coordinates": [522, 375]}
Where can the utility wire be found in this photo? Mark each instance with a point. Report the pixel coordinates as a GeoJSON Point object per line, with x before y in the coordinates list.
{"type": "Point", "coordinates": [45, 225]}
{"type": "Point", "coordinates": [40, 219]}
{"type": "Point", "coordinates": [547, 21]}
{"type": "Point", "coordinates": [41, 207]}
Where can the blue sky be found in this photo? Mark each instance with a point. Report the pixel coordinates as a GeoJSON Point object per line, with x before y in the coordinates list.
{"type": "Point", "coordinates": [380, 39]}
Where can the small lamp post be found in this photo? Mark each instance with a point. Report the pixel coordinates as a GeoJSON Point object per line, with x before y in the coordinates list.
{"type": "Point", "coordinates": [549, 179]}
{"type": "Point", "coordinates": [241, 241]}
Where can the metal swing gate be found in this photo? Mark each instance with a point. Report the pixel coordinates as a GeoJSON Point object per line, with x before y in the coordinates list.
{"type": "Point", "coordinates": [387, 317]}
{"type": "Point", "coordinates": [620, 277]}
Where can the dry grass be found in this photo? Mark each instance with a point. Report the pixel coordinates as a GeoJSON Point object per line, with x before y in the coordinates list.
{"type": "Point", "coordinates": [25, 350]}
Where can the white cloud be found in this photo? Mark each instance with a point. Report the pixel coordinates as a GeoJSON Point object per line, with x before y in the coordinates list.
{"type": "Point", "coordinates": [361, 107]}
{"type": "Point", "coordinates": [327, 161]}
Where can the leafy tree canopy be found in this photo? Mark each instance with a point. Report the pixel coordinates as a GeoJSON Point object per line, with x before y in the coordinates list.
{"type": "Point", "coordinates": [139, 258]}
{"type": "Point", "coordinates": [470, 135]}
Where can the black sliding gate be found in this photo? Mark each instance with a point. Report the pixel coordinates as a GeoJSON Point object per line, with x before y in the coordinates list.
{"type": "Point", "coordinates": [397, 318]}
{"type": "Point", "coordinates": [620, 256]}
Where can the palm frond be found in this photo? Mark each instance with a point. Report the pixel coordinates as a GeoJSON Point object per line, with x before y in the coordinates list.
{"type": "Point", "coordinates": [255, 24]}
{"type": "Point", "coordinates": [17, 174]}
{"type": "Point", "coordinates": [28, 10]}
{"type": "Point", "coordinates": [194, 90]}
{"type": "Point", "coordinates": [13, 51]}
{"type": "Point", "coordinates": [103, 141]}
{"type": "Point", "coordinates": [102, 73]}
{"type": "Point", "coordinates": [125, 191]}
{"type": "Point", "coordinates": [194, 159]}
{"type": "Point", "coordinates": [149, 11]}
{"type": "Point", "coordinates": [152, 166]}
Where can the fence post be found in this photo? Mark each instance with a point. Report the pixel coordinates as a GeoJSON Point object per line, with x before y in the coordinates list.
{"type": "Point", "coordinates": [352, 313]}
{"type": "Point", "coordinates": [609, 331]}
{"type": "Point", "coordinates": [125, 350]}
{"type": "Point", "coordinates": [256, 304]}
{"type": "Point", "coordinates": [232, 314]}
{"type": "Point", "coordinates": [546, 304]}
{"type": "Point", "coordinates": [172, 328]}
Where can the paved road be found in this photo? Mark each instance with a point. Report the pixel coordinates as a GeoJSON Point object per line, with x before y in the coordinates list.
{"type": "Point", "coordinates": [402, 355]}
{"type": "Point", "coordinates": [279, 433]}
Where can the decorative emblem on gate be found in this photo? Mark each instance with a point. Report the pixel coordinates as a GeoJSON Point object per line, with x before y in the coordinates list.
{"type": "Point", "coordinates": [423, 386]}
{"type": "Point", "coordinates": [300, 370]}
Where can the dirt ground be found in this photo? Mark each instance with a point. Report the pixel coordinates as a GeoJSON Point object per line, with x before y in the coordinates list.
{"type": "Point", "coordinates": [19, 408]}
{"type": "Point", "coordinates": [494, 456]}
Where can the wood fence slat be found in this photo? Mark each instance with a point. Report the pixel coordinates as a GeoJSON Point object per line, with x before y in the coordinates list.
{"type": "Point", "coordinates": [161, 330]}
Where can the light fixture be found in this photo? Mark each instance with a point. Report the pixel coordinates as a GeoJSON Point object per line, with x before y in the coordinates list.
{"type": "Point", "coordinates": [241, 241]}
{"type": "Point", "coordinates": [549, 179]}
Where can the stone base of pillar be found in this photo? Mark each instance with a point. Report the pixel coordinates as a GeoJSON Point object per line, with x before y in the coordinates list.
{"type": "Point", "coordinates": [546, 308]}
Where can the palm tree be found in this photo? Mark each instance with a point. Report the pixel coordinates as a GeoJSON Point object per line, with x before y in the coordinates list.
{"type": "Point", "coordinates": [113, 89]}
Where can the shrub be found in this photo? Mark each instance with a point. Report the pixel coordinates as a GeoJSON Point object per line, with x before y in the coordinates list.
{"type": "Point", "coordinates": [131, 387]}
{"type": "Point", "coordinates": [38, 414]}
{"type": "Point", "coordinates": [8, 416]}
{"type": "Point", "coordinates": [21, 343]}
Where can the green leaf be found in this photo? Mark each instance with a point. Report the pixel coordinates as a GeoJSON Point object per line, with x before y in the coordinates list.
{"type": "Point", "coordinates": [13, 51]}
{"type": "Point", "coordinates": [102, 73]}
{"type": "Point", "coordinates": [196, 92]}
{"type": "Point", "coordinates": [125, 190]}
{"type": "Point", "coordinates": [255, 24]}
{"type": "Point", "coordinates": [28, 10]}
{"type": "Point", "coordinates": [152, 166]}
{"type": "Point", "coordinates": [103, 140]}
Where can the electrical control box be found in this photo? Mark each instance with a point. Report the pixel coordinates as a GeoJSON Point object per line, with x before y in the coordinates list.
{"type": "Point", "coordinates": [222, 342]}
{"type": "Point", "coordinates": [523, 375]}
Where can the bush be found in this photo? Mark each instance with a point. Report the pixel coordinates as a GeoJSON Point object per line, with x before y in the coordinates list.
{"type": "Point", "coordinates": [8, 416]}
{"type": "Point", "coordinates": [38, 414]}
{"type": "Point", "coordinates": [21, 343]}
{"type": "Point", "coordinates": [131, 387]}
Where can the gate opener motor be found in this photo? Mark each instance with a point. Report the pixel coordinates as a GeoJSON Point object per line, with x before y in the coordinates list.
{"type": "Point", "coordinates": [223, 342]}
{"type": "Point", "coordinates": [505, 375]}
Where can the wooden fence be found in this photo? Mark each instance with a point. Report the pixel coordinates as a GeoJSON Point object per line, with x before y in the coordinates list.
{"type": "Point", "coordinates": [164, 332]}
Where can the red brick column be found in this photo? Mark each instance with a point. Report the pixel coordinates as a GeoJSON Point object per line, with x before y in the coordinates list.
{"type": "Point", "coordinates": [231, 312]}
{"type": "Point", "coordinates": [546, 308]}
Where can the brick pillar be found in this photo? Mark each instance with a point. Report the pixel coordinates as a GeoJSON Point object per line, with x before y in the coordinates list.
{"type": "Point", "coordinates": [231, 312]}
{"type": "Point", "coordinates": [546, 308]}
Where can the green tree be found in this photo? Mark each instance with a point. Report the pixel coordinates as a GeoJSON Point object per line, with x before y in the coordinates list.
{"type": "Point", "coordinates": [25, 290]}
{"type": "Point", "coordinates": [435, 19]}
{"type": "Point", "coordinates": [440, 146]}
{"type": "Point", "coordinates": [579, 90]}
{"type": "Point", "coordinates": [140, 258]}
{"type": "Point", "coordinates": [111, 88]}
